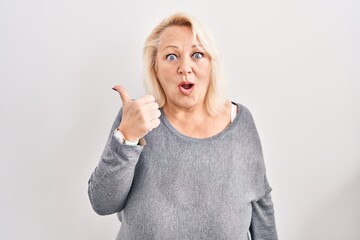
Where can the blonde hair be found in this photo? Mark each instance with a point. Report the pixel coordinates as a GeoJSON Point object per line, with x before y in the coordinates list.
{"type": "Point", "coordinates": [214, 99]}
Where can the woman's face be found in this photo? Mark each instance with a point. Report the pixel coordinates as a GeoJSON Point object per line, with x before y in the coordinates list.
{"type": "Point", "coordinates": [182, 67]}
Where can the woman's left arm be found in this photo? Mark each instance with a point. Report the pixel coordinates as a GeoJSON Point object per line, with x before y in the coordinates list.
{"type": "Point", "coordinates": [262, 225]}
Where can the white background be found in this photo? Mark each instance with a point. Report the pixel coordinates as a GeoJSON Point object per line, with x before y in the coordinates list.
{"type": "Point", "coordinates": [294, 64]}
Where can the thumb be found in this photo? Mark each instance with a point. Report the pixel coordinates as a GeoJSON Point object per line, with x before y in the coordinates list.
{"type": "Point", "coordinates": [123, 93]}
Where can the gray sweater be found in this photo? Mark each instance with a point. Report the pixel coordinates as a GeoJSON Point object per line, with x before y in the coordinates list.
{"type": "Point", "coordinates": [177, 187]}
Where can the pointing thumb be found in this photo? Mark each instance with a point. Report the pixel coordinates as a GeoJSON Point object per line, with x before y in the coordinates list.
{"type": "Point", "coordinates": [123, 93]}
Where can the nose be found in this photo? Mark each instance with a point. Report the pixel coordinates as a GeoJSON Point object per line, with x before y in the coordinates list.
{"type": "Point", "coordinates": [185, 67]}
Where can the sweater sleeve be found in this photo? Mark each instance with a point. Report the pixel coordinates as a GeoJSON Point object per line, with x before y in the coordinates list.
{"type": "Point", "coordinates": [263, 225]}
{"type": "Point", "coordinates": [111, 180]}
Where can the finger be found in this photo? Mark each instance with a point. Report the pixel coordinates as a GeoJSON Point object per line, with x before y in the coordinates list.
{"type": "Point", "coordinates": [123, 93]}
{"type": "Point", "coordinates": [155, 114]}
{"type": "Point", "coordinates": [155, 123]}
{"type": "Point", "coordinates": [152, 106]}
{"type": "Point", "coordinates": [146, 99]}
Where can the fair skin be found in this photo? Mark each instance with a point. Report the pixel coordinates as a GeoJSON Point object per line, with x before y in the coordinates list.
{"type": "Point", "coordinates": [183, 69]}
{"type": "Point", "coordinates": [181, 59]}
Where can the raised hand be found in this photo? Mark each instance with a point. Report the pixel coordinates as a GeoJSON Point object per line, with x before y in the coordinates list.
{"type": "Point", "coordinates": [139, 116]}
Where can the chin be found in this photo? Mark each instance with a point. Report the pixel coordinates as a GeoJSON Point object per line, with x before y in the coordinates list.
{"type": "Point", "coordinates": [188, 103]}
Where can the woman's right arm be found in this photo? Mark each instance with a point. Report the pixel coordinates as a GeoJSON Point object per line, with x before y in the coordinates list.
{"type": "Point", "coordinates": [111, 181]}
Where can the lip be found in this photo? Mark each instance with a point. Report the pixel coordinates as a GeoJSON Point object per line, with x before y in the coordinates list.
{"type": "Point", "coordinates": [186, 91]}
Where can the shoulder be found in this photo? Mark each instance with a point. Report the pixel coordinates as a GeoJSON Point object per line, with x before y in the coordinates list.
{"type": "Point", "coordinates": [244, 119]}
{"type": "Point", "coordinates": [242, 110]}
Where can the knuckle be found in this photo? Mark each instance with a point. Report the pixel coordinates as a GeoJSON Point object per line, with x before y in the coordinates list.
{"type": "Point", "coordinates": [157, 113]}
{"type": "Point", "coordinates": [156, 105]}
{"type": "Point", "coordinates": [156, 122]}
{"type": "Point", "coordinates": [143, 112]}
{"type": "Point", "coordinates": [150, 97]}
{"type": "Point", "coordinates": [148, 127]}
{"type": "Point", "coordinates": [152, 105]}
{"type": "Point", "coordinates": [142, 118]}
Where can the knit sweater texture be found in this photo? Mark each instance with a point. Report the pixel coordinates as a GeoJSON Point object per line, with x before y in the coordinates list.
{"type": "Point", "coordinates": [178, 187]}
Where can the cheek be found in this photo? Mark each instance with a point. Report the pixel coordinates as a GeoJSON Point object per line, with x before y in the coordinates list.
{"type": "Point", "coordinates": [205, 71]}
{"type": "Point", "coordinates": [161, 69]}
{"type": "Point", "coordinates": [163, 75]}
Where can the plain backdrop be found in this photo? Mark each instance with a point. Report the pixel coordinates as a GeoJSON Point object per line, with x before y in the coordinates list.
{"type": "Point", "coordinates": [294, 64]}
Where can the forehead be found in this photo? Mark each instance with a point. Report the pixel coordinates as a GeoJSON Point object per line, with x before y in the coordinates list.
{"type": "Point", "coordinates": [176, 35]}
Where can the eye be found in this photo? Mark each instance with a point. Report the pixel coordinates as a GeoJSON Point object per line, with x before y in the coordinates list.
{"type": "Point", "coordinates": [198, 55]}
{"type": "Point", "coordinates": [171, 57]}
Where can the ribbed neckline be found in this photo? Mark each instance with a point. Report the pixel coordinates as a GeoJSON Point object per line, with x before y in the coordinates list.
{"type": "Point", "coordinates": [191, 139]}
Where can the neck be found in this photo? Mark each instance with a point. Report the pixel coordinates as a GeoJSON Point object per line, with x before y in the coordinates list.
{"type": "Point", "coordinates": [197, 121]}
{"type": "Point", "coordinates": [182, 114]}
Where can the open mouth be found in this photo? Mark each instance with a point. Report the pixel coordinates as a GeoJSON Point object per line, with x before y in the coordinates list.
{"type": "Point", "coordinates": [186, 88]}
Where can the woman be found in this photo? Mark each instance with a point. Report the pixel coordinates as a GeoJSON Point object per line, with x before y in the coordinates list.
{"type": "Point", "coordinates": [183, 162]}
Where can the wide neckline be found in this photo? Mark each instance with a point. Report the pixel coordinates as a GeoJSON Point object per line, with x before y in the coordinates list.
{"type": "Point", "coordinates": [192, 139]}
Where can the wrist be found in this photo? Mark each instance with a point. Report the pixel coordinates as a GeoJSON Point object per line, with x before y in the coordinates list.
{"type": "Point", "coordinates": [119, 135]}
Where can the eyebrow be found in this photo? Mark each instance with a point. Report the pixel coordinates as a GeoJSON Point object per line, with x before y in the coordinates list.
{"type": "Point", "coordinates": [174, 46]}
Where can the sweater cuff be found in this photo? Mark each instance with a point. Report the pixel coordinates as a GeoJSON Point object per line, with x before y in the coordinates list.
{"type": "Point", "coordinates": [125, 152]}
{"type": "Point", "coordinates": [120, 138]}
